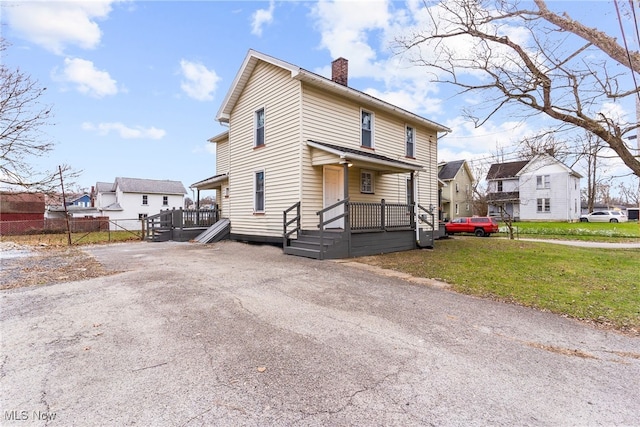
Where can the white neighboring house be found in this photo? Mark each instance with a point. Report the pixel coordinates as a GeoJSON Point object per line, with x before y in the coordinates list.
{"type": "Point", "coordinates": [129, 200]}
{"type": "Point", "coordinates": [541, 189]}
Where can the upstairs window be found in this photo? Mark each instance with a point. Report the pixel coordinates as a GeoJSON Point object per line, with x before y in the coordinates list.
{"type": "Point", "coordinates": [500, 186]}
{"type": "Point", "coordinates": [411, 148]}
{"type": "Point", "coordinates": [145, 199]}
{"type": "Point", "coordinates": [543, 181]}
{"type": "Point", "coordinates": [367, 129]}
{"type": "Point", "coordinates": [259, 124]}
{"type": "Point", "coordinates": [258, 201]}
{"type": "Point", "coordinates": [165, 200]}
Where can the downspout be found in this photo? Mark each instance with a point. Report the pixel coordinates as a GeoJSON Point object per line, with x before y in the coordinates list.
{"type": "Point", "coordinates": [414, 189]}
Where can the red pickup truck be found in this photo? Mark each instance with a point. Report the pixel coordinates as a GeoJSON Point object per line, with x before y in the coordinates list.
{"type": "Point", "coordinates": [479, 225]}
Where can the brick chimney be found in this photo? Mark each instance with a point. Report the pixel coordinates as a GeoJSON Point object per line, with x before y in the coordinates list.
{"type": "Point", "coordinates": [340, 71]}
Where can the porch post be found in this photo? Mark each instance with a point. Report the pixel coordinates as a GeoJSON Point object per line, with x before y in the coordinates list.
{"type": "Point", "coordinates": [412, 201]}
{"type": "Point", "coordinates": [346, 179]}
{"type": "Point", "coordinates": [197, 207]}
{"type": "Point", "coordinates": [347, 218]}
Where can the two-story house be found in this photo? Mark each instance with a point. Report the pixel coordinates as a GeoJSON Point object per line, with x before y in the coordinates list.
{"type": "Point", "coordinates": [127, 201]}
{"type": "Point", "coordinates": [346, 166]}
{"type": "Point", "coordinates": [540, 189]}
{"type": "Point", "coordinates": [456, 194]}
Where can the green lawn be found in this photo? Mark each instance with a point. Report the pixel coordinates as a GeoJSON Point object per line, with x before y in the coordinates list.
{"type": "Point", "coordinates": [599, 285]}
{"type": "Point", "coordinates": [628, 231]}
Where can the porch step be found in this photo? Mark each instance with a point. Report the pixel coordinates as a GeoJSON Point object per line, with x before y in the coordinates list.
{"type": "Point", "coordinates": [160, 235]}
{"type": "Point", "coordinates": [216, 232]}
{"type": "Point", "coordinates": [303, 252]}
{"type": "Point", "coordinates": [308, 244]}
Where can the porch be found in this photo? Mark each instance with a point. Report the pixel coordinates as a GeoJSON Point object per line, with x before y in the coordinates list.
{"type": "Point", "coordinates": [179, 225]}
{"type": "Point", "coordinates": [368, 229]}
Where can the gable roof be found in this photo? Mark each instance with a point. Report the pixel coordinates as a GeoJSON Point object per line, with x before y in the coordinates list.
{"type": "Point", "coordinates": [549, 160]}
{"type": "Point", "coordinates": [252, 59]}
{"type": "Point", "coordinates": [449, 170]}
{"type": "Point", "coordinates": [137, 185]}
{"type": "Point", "coordinates": [104, 187]}
{"type": "Point", "coordinates": [506, 170]}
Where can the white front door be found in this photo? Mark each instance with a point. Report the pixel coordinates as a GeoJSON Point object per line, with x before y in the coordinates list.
{"type": "Point", "coordinates": [333, 192]}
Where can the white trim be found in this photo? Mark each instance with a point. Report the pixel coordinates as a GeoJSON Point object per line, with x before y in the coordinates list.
{"type": "Point", "coordinates": [372, 127]}
{"type": "Point", "coordinates": [413, 143]}
{"type": "Point", "coordinates": [255, 127]}
{"type": "Point", "coordinates": [373, 181]}
{"type": "Point", "coordinates": [255, 189]}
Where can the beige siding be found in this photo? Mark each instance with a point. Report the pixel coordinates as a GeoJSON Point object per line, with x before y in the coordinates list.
{"type": "Point", "coordinates": [222, 157]}
{"type": "Point", "coordinates": [329, 119]}
{"type": "Point", "coordinates": [273, 89]}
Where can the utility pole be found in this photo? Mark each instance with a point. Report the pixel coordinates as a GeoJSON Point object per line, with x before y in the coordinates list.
{"type": "Point", "coordinates": [64, 203]}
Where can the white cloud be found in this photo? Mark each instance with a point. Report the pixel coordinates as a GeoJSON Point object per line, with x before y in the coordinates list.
{"type": "Point", "coordinates": [199, 83]}
{"type": "Point", "coordinates": [262, 17]}
{"type": "Point", "coordinates": [124, 131]}
{"type": "Point", "coordinates": [344, 28]}
{"type": "Point", "coordinates": [86, 77]}
{"type": "Point", "coordinates": [56, 24]}
{"type": "Point", "coordinates": [362, 32]}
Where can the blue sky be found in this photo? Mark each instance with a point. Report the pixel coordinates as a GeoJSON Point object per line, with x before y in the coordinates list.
{"type": "Point", "coordinates": [135, 85]}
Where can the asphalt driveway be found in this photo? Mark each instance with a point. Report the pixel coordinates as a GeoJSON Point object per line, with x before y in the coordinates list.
{"type": "Point", "coordinates": [234, 334]}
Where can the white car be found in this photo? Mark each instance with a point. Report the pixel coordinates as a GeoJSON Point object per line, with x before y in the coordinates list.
{"type": "Point", "coordinates": [604, 216]}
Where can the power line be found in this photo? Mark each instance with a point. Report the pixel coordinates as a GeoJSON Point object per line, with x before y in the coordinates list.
{"type": "Point", "coordinates": [626, 47]}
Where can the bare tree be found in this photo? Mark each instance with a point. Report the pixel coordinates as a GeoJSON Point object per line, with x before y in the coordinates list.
{"type": "Point", "coordinates": [544, 143]}
{"type": "Point", "coordinates": [22, 117]}
{"type": "Point", "coordinates": [537, 72]}
{"type": "Point", "coordinates": [629, 193]}
{"type": "Point", "coordinates": [591, 147]}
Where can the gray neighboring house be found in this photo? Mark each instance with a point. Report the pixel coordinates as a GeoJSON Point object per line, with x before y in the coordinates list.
{"type": "Point", "coordinates": [456, 194]}
{"type": "Point", "coordinates": [127, 201]}
{"type": "Point", "coordinates": [540, 189]}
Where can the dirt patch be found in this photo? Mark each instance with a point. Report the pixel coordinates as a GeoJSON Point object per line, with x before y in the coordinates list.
{"type": "Point", "coordinates": [44, 265]}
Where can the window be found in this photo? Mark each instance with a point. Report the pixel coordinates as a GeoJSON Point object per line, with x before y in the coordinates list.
{"type": "Point", "coordinates": [165, 200]}
{"type": "Point", "coordinates": [409, 192]}
{"type": "Point", "coordinates": [142, 216]}
{"type": "Point", "coordinates": [543, 181]}
{"type": "Point", "coordinates": [457, 210]}
{"type": "Point", "coordinates": [259, 142]}
{"type": "Point", "coordinates": [457, 188]}
{"type": "Point", "coordinates": [367, 129]}
{"type": "Point", "coordinates": [145, 199]}
{"type": "Point", "coordinates": [499, 185]}
{"type": "Point", "coordinates": [366, 182]}
{"type": "Point", "coordinates": [411, 148]}
{"type": "Point", "coordinates": [544, 205]}
{"type": "Point", "coordinates": [258, 202]}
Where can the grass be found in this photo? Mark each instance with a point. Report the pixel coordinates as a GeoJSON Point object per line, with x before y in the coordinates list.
{"type": "Point", "coordinates": [60, 239]}
{"type": "Point", "coordinates": [628, 231]}
{"type": "Point", "coordinates": [598, 285]}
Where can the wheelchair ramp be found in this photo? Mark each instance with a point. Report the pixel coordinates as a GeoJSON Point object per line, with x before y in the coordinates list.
{"type": "Point", "coordinates": [218, 231]}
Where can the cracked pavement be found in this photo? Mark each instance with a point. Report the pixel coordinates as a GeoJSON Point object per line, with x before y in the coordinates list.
{"type": "Point", "coordinates": [235, 334]}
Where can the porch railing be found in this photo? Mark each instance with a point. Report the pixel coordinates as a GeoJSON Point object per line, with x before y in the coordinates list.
{"type": "Point", "coordinates": [426, 215]}
{"type": "Point", "coordinates": [382, 216]}
{"type": "Point", "coordinates": [286, 233]}
{"type": "Point", "coordinates": [168, 220]}
{"type": "Point", "coordinates": [323, 220]}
